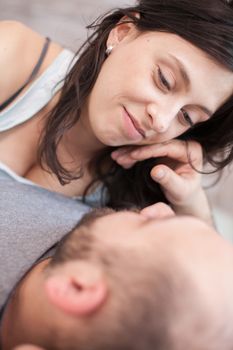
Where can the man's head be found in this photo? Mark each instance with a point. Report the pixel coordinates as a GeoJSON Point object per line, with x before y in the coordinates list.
{"type": "Point", "coordinates": [128, 281]}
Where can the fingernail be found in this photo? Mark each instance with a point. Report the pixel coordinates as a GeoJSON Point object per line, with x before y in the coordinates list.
{"type": "Point", "coordinates": [115, 154]}
{"type": "Point", "coordinates": [159, 174]}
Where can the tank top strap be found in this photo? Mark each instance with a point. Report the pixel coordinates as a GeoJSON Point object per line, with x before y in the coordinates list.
{"type": "Point", "coordinates": [32, 75]}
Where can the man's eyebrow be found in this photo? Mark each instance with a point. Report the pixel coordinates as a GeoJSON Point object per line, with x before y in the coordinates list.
{"type": "Point", "coordinates": [186, 79]}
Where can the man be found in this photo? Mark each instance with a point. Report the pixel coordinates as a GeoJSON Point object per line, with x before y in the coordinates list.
{"type": "Point", "coordinates": [127, 281]}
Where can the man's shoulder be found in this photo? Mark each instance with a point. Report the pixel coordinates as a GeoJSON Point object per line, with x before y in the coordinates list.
{"type": "Point", "coordinates": [32, 213]}
{"type": "Point", "coordinates": [32, 220]}
{"type": "Point", "coordinates": [16, 196]}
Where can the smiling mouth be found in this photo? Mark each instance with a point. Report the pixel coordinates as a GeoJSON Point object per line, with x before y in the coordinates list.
{"type": "Point", "coordinates": [135, 124]}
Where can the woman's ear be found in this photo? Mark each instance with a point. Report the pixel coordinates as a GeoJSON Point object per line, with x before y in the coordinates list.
{"type": "Point", "coordinates": [76, 288]}
{"type": "Point", "coordinates": [122, 31]}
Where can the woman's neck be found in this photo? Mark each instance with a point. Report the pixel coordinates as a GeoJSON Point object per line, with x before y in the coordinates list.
{"type": "Point", "coordinates": [81, 140]}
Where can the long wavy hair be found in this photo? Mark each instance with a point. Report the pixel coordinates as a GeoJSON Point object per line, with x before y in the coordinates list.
{"type": "Point", "coordinates": [208, 24]}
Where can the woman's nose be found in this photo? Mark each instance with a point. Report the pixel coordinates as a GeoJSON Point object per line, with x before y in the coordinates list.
{"type": "Point", "coordinates": [161, 118]}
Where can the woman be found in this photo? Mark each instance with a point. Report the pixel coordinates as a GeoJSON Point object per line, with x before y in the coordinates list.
{"type": "Point", "coordinates": [152, 75]}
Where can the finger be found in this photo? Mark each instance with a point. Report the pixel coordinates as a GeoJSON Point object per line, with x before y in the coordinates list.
{"type": "Point", "coordinates": [123, 158]}
{"type": "Point", "coordinates": [157, 211]}
{"type": "Point", "coordinates": [175, 149]}
{"type": "Point", "coordinates": [125, 161]}
{"type": "Point", "coordinates": [174, 186]}
{"type": "Point", "coordinates": [121, 151]}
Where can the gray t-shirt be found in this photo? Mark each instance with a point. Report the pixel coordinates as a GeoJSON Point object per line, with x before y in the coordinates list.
{"type": "Point", "coordinates": [32, 220]}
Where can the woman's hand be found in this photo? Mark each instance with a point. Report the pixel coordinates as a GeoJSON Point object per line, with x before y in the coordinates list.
{"type": "Point", "coordinates": [176, 173]}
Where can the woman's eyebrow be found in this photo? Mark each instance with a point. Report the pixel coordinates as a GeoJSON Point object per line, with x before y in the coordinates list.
{"type": "Point", "coordinates": [181, 70]}
{"type": "Point", "coordinates": [205, 110]}
{"type": "Point", "coordinates": [187, 83]}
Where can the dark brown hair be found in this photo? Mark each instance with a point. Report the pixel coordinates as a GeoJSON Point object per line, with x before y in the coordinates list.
{"type": "Point", "coordinates": [208, 24]}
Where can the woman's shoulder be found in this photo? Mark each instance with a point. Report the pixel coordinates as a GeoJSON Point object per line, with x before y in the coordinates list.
{"type": "Point", "coordinates": [19, 52]}
{"type": "Point", "coordinates": [11, 31]}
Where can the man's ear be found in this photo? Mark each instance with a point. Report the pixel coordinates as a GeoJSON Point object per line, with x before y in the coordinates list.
{"type": "Point", "coordinates": [123, 30]}
{"type": "Point", "coordinates": [76, 288]}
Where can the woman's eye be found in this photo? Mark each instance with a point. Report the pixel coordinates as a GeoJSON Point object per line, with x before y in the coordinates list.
{"type": "Point", "coordinates": [163, 80]}
{"type": "Point", "coordinates": [186, 118]}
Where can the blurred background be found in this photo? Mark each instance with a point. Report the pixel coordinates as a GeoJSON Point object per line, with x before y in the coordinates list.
{"type": "Point", "coordinates": [65, 21]}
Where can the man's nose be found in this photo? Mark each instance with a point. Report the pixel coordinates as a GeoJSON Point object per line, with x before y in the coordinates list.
{"type": "Point", "coordinates": [160, 118]}
{"type": "Point", "coordinates": [157, 211]}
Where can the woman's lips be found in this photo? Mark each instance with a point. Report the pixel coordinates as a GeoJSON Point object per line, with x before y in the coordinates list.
{"type": "Point", "coordinates": [132, 127]}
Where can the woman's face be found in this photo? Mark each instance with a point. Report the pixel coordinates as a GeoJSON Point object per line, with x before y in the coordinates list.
{"type": "Point", "coordinates": [152, 88]}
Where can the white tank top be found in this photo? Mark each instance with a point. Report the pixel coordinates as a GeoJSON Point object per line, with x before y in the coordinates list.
{"type": "Point", "coordinates": [32, 101]}
{"type": "Point", "coordinates": [38, 94]}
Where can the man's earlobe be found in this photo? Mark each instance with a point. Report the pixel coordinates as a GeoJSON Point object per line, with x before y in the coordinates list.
{"type": "Point", "coordinates": [74, 294]}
